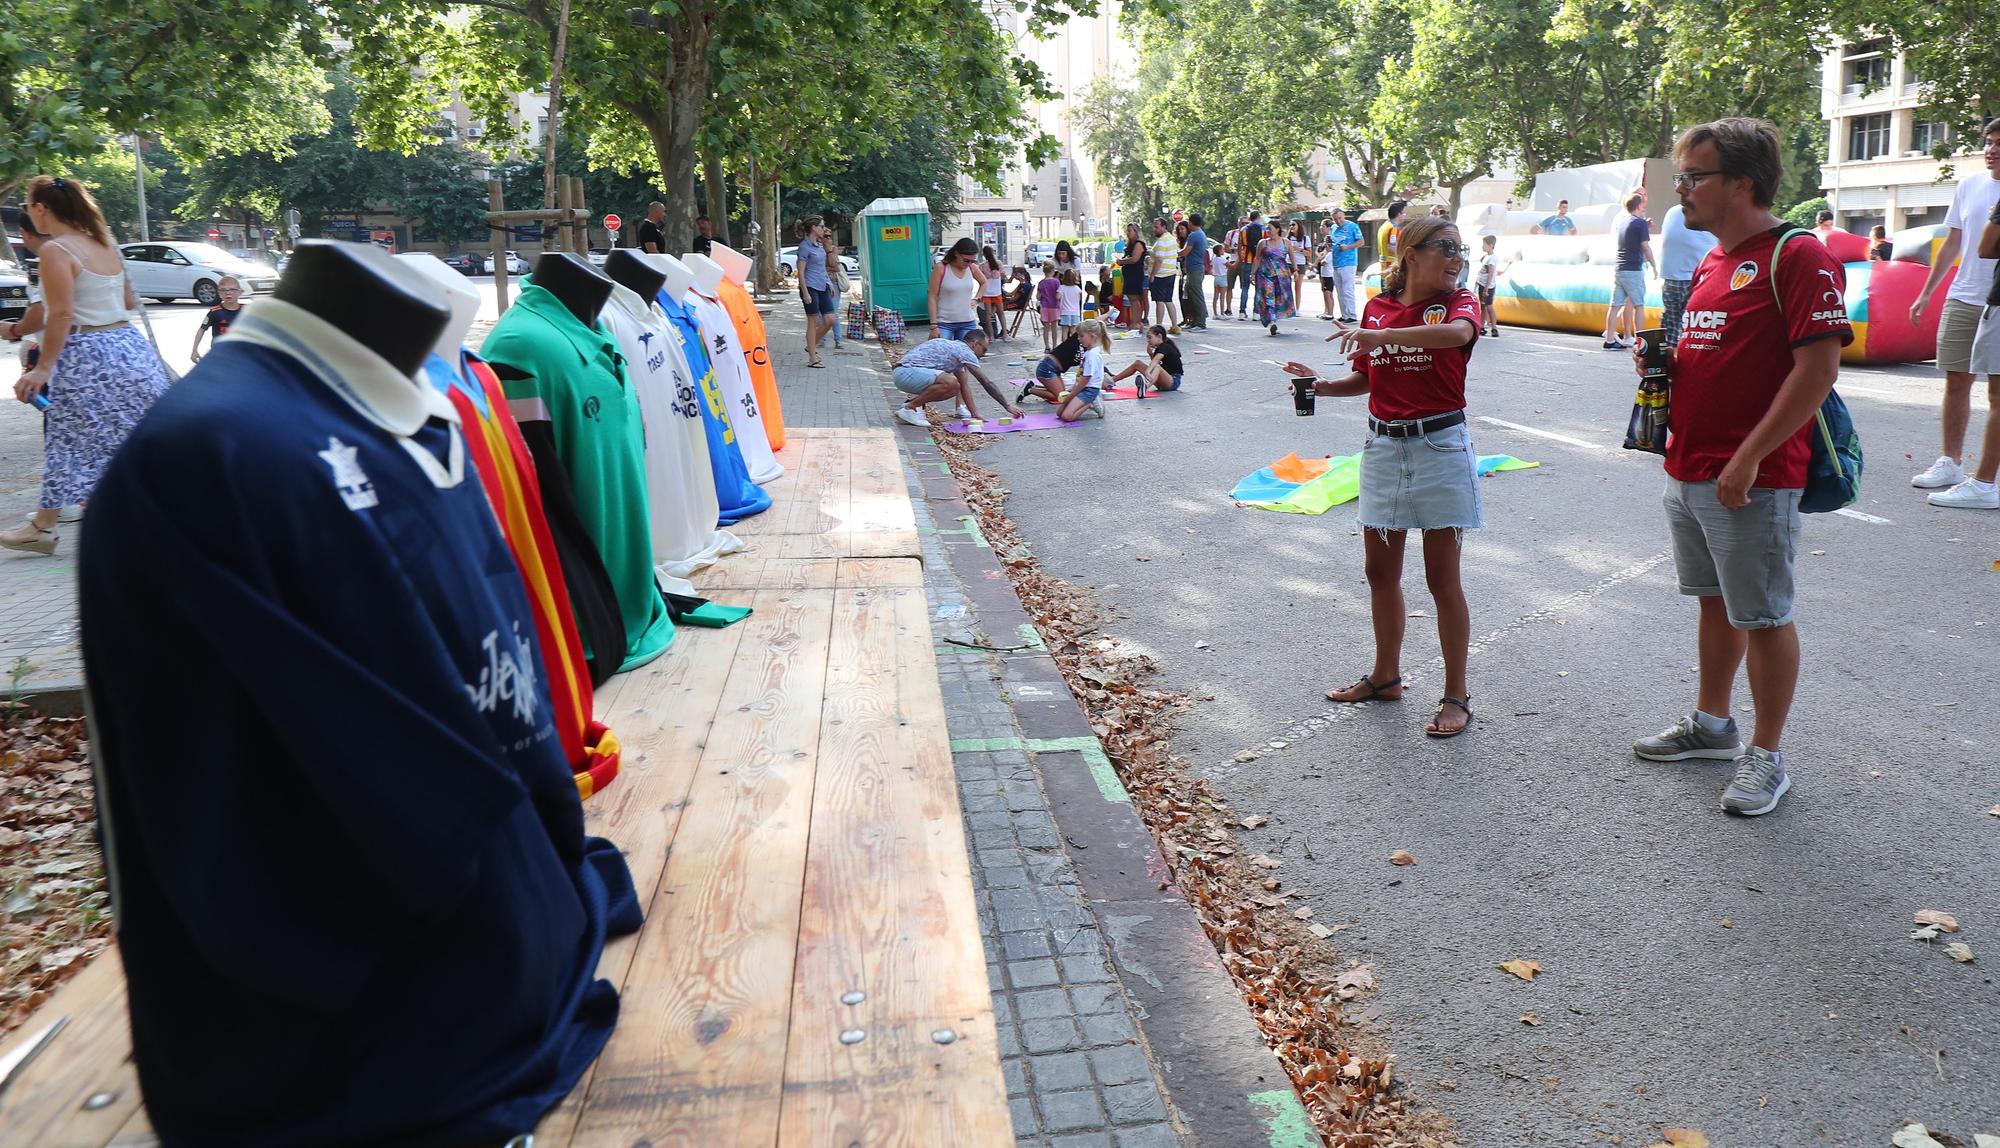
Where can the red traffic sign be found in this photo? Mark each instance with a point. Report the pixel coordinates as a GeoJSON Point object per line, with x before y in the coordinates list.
{"type": "Point", "coordinates": [214, 233]}
{"type": "Point", "coordinates": [611, 222]}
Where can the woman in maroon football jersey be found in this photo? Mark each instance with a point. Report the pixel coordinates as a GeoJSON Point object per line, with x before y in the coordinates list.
{"type": "Point", "coordinates": [1417, 467]}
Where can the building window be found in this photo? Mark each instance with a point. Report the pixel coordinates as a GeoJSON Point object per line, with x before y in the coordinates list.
{"type": "Point", "coordinates": [1927, 135]}
{"type": "Point", "coordinates": [1062, 190]}
{"type": "Point", "coordinates": [1867, 136]}
{"type": "Point", "coordinates": [1872, 72]}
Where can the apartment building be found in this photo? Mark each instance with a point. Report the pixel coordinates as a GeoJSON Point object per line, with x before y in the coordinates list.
{"type": "Point", "coordinates": [1881, 168]}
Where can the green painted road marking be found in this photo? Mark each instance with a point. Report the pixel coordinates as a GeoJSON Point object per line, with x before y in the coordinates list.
{"type": "Point", "coordinates": [1285, 1119]}
{"type": "Point", "coordinates": [1031, 636]}
{"type": "Point", "coordinates": [1108, 785]}
{"type": "Point", "coordinates": [971, 529]}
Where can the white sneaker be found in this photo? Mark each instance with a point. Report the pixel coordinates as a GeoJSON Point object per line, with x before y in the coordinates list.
{"type": "Point", "coordinates": [1944, 472]}
{"type": "Point", "coordinates": [962, 412]}
{"type": "Point", "coordinates": [70, 514]}
{"type": "Point", "coordinates": [1971, 494]}
{"type": "Point", "coordinates": [912, 418]}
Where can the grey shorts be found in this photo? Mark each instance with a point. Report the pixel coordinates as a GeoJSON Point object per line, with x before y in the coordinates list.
{"type": "Point", "coordinates": [1424, 482]}
{"type": "Point", "coordinates": [1956, 328]}
{"type": "Point", "coordinates": [1745, 557]}
{"type": "Point", "coordinates": [914, 380]}
{"type": "Point", "coordinates": [1629, 286]}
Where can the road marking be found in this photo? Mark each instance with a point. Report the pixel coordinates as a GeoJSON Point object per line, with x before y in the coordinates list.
{"type": "Point", "coordinates": [1852, 513]}
{"type": "Point", "coordinates": [1555, 347]}
{"type": "Point", "coordinates": [1543, 434]}
{"type": "Point", "coordinates": [1870, 391]}
{"type": "Point", "coordinates": [1272, 362]}
{"type": "Point", "coordinates": [1213, 347]}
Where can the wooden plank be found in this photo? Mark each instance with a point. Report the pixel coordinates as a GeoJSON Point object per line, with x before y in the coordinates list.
{"type": "Point", "coordinates": [137, 1133]}
{"type": "Point", "coordinates": [770, 574]}
{"type": "Point", "coordinates": [92, 1055]}
{"type": "Point", "coordinates": [880, 494]}
{"type": "Point", "coordinates": [889, 910]}
{"type": "Point", "coordinates": [664, 717]}
{"type": "Point", "coordinates": [883, 573]}
{"type": "Point", "coordinates": [698, 1055]}
{"type": "Point", "coordinates": [822, 499]}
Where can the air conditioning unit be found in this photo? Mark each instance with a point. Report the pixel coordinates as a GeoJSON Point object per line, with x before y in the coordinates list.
{"type": "Point", "coordinates": [475, 132]}
{"type": "Point", "coordinates": [1855, 89]}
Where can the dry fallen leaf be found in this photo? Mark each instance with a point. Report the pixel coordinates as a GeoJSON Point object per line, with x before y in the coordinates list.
{"type": "Point", "coordinates": [1320, 931]}
{"type": "Point", "coordinates": [1914, 1136]}
{"type": "Point", "coordinates": [1994, 812]}
{"type": "Point", "coordinates": [1728, 924]}
{"type": "Point", "coordinates": [1253, 821]}
{"type": "Point", "coordinates": [1354, 982]}
{"type": "Point", "coordinates": [1945, 922]}
{"type": "Point", "coordinates": [1304, 913]}
{"type": "Point", "coordinates": [1684, 1138]}
{"type": "Point", "coordinates": [1960, 951]}
{"type": "Point", "coordinates": [1526, 970]}
{"type": "Point", "coordinates": [1263, 862]}
{"type": "Point", "coordinates": [1531, 1019]}
{"type": "Point", "coordinates": [1402, 857]}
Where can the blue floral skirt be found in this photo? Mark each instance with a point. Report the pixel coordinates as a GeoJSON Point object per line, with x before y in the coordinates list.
{"type": "Point", "coordinates": [103, 384]}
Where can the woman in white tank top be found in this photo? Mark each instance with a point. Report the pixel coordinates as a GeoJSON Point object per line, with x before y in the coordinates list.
{"type": "Point", "coordinates": [955, 286]}
{"type": "Point", "coordinates": [98, 374]}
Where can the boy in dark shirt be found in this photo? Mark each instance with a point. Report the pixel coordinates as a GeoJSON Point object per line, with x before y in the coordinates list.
{"type": "Point", "coordinates": [219, 316]}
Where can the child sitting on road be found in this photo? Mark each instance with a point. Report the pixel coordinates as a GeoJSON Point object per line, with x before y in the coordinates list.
{"type": "Point", "coordinates": [1048, 298]}
{"type": "Point", "coordinates": [1090, 300]}
{"type": "Point", "coordinates": [1071, 301]}
{"type": "Point", "coordinates": [1161, 365]}
{"type": "Point", "coordinates": [1108, 294]}
{"type": "Point", "coordinates": [1083, 351]}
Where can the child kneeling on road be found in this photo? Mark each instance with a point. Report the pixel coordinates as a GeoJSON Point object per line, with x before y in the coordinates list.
{"type": "Point", "coordinates": [1160, 367]}
{"type": "Point", "coordinates": [1083, 351]}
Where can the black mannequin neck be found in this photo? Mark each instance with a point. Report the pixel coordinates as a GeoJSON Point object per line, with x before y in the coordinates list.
{"type": "Point", "coordinates": [634, 272]}
{"type": "Point", "coordinates": [357, 288]}
{"type": "Point", "coordinates": [581, 287]}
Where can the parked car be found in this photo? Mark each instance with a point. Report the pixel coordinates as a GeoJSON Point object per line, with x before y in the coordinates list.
{"type": "Point", "coordinates": [466, 262]}
{"type": "Point", "coordinates": [1037, 252]}
{"type": "Point", "coordinates": [13, 291]}
{"type": "Point", "coordinates": [597, 256]}
{"type": "Point", "coordinates": [788, 263]}
{"type": "Point", "coordinates": [253, 255]}
{"type": "Point", "coordinates": [517, 265]}
{"type": "Point", "coordinates": [168, 271]}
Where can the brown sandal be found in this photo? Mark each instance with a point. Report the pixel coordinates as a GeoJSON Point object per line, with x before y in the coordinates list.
{"type": "Point", "coordinates": [1374, 691]}
{"type": "Point", "coordinates": [1433, 729]}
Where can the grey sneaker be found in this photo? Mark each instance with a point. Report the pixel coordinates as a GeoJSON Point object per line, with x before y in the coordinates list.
{"type": "Point", "coordinates": [1760, 781]}
{"type": "Point", "coordinates": [1688, 740]}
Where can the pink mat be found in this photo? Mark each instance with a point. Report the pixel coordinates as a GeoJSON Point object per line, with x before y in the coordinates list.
{"type": "Point", "coordinates": [1038, 420]}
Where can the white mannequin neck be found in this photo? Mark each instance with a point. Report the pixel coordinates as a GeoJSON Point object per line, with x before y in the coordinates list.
{"type": "Point", "coordinates": [462, 296]}
{"type": "Point", "coordinates": [679, 275]}
{"type": "Point", "coordinates": [707, 273]}
{"type": "Point", "coordinates": [735, 264]}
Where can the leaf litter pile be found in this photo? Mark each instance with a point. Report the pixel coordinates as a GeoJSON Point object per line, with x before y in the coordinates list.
{"type": "Point", "coordinates": [53, 912]}
{"type": "Point", "coordinates": [1287, 972]}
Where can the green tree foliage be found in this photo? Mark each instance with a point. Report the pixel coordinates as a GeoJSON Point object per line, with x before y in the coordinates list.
{"type": "Point", "coordinates": [923, 161]}
{"type": "Point", "coordinates": [1106, 126]}
{"type": "Point", "coordinates": [207, 77]}
{"type": "Point", "coordinates": [1806, 212]}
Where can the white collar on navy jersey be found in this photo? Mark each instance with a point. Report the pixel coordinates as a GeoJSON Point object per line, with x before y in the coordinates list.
{"type": "Point", "coordinates": [396, 402]}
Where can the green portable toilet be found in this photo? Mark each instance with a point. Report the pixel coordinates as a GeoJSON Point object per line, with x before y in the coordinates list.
{"type": "Point", "coordinates": [895, 240]}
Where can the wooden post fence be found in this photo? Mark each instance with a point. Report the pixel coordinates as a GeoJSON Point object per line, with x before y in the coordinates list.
{"type": "Point", "coordinates": [564, 228]}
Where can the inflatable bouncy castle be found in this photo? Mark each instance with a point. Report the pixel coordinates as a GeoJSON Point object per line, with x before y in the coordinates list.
{"type": "Point", "coordinates": [1563, 282]}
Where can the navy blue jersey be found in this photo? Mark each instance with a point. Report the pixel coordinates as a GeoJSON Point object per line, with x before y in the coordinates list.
{"type": "Point", "coordinates": [354, 897]}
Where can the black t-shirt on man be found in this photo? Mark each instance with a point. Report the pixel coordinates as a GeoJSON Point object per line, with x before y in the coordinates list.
{"type": "Point", "coordinates": [650, 232]}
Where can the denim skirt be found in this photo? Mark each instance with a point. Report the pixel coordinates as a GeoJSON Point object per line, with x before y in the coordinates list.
{"type": "Point", "coordinates": [1424, 482]}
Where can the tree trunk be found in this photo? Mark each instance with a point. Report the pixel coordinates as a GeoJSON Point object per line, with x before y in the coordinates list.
{"type": "Point", "coordinates": [718, 194]}
{"type": "Point", "coordinates": [672, 131]}
{"type": "Point", "coordinates": [764, 209]}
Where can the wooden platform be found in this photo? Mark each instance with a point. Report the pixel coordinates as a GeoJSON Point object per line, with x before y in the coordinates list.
{"type": "Point", "coordinates": [810, 970]}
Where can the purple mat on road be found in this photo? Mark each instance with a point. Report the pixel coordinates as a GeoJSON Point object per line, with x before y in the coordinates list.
{"type": "Point", "coordinates": [1039, 420]}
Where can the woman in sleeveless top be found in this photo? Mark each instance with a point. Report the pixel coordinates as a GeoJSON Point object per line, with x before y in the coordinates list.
{"type": "Point", "coordinates": [991, 290]}
{"type": "Point", "coordinates": [955, 284]}
{"type": "Point", "coordinates": [99, 373]}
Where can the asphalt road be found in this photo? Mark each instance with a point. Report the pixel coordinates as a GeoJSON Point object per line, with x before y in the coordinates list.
{"type": "Point", "coordinates": [1751, 979]}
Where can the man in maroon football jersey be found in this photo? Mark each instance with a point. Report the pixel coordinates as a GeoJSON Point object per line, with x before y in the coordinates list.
{"type": "Point", "coordinates": [1753, 364]}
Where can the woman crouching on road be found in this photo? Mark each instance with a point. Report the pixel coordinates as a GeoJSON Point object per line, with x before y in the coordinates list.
{"type": "Point", "coordinates": [1417, 467]}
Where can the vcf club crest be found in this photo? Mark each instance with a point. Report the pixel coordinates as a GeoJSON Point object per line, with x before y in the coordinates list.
{"type": "Point", "coordinates": [1433, 314]}
{"type": "Point", "coordinates": [1744, 273]}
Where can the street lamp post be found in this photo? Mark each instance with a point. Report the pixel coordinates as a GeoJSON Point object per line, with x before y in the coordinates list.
{"type": "Point", "coordinates": [139, 174]}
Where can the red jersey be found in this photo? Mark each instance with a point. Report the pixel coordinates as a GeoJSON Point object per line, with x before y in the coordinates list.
{"type": "Point", "coordinates": [1417, 382]}
{"type": "Point", "coordinates": [1736, 349]}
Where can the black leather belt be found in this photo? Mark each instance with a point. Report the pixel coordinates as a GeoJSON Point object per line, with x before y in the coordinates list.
{"type": "Point", "coordinates": [1414, 427]}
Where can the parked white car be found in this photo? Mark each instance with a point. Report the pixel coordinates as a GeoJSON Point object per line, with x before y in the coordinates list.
{"type": "Point", "coordinates": [167, 271]}
{"type": "Point", "coordinates": [788, 263]}
{"type": "Point", "coordinates": [517, 265]}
